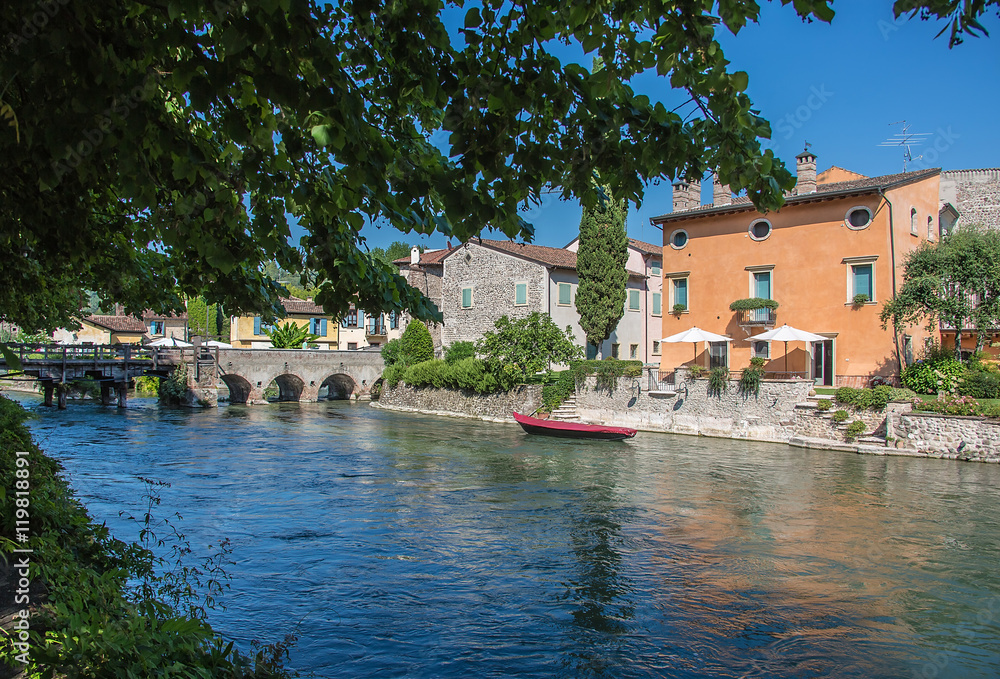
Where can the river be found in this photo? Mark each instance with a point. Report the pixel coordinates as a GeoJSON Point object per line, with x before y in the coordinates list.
{"type": "Point", "coordinates": [402, 545]}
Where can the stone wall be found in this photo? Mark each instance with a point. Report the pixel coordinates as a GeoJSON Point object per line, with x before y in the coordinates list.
{"type": "Point", "coordinates": [769, 416]}
{"type": "Point", "coordinates": [454, 402]}
{"type": "Point", "coordinates": [976, 194]}
{"type": "Point", "coordinates": [492, 276]}
{"type": "Point", "coordinates": [963, 438]}
{"type": "Point", "coordinates": [426, 279]}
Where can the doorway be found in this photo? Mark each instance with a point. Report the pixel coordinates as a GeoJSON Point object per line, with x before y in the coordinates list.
{"type": "Point", "coordinates": [823, 363]}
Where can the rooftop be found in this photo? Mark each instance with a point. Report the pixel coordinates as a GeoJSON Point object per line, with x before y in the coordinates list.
{"type": "Point", "coordinates": [117, 323]}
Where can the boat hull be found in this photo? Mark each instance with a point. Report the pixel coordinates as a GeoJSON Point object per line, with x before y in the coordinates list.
{"type": "Point", "coordinates": [573, 430]}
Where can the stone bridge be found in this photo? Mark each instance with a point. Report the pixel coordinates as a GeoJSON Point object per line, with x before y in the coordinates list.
{"type": "Point", "coordinates": [301, 374]}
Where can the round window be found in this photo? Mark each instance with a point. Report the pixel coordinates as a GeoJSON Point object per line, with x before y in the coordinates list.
{"type": "Point", "coordinates": [760, 229]}
{"type": "Point", "coordinates": [858, 217]}
{"type": "Point", "coordinates": [678, 239]}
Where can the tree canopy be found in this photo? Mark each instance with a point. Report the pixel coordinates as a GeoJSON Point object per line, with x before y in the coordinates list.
{"type": "Point", "coordinates": [518, 349]}
{"type": "Point", "coordinates": [955, 282]}
{"type": "Point", "coordinates": [600, 261]}
{"type": "Point", "coordinates": [151, 151]}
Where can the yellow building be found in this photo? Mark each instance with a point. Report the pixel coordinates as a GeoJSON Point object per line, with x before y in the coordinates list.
{"type": "Point", "coordinates": [104, 330]}
{"type": "Point", "coordinates": [247, 332]}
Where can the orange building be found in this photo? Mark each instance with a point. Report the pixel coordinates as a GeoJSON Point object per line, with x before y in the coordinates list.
{"type": "Point", "coordinates": [830, 257]}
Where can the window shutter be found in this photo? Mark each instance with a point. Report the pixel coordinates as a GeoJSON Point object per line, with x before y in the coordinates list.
{"type": "Point", "coordinates": [256, 325]}
{"type": "Point", "coordinates": [564, 293]}
{"type": "Point", "coordinates": [343, 322]}
{"type": "Point", "coordinates": [361, 318]}
{"type": "Point", "coordinates": [322, 328]}
{"type": "Point", "coordinates": [656, 304]}
{"type": "Point", "coordinates": [521, 293]}
{"type": "Point", "coordinates": [466, 298]}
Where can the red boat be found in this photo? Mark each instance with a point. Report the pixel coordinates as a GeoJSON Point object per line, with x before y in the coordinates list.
{"type": "Point", "coordinates": [573, 430]}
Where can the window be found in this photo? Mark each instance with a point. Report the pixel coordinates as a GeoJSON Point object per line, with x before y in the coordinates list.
{"type": "Point", "coordinates": [657, 304]}
{"type": "Point", "coordinates": [156, 327]}
{"type": "Point", "coordinates": [351, 346]}
{"type": "Point", "coordinates": [858, 217]}
{"type": "Point", "coordinates": [257, 326]}
{"type": "Point", "coordinates": [614, 350]}
{"type": "Point", "coordinates": [656, 348]}
{"type": "Point", "coordinates": [930, 227]}
{"type": "Point", "coordinates": [591, 352]}
{"type": "Point", "coordinates": [350, 320]}
{"type": "Point", "coordinates": [633, 300]}
{"type": "Point", "coordinates": [761, 349]}
{"type": "Point", "coordinates": [913, 222]}
{"type": "Point", "coordinates": [718, 354]}
{"type": "Point", "coordinates": [760, 229]}
{"type": "Point", "coordinates": [633, 351]}
{"type": "Point", "coordinates": [393, 320]}
{"type": "Point", "coordinates": [761, 284]}
{"type": "Point", "coordinates": [654, 267]}
{"type": "Point", "coordinates": [317, 326]}
{"type": "Point", "coordinates": [679, 288]}
{"type": "Point", "coordinates": [565, 291]}
{"type": "Point", "coordinates": [520, 294]}
{"type": "Point", "coordinates": [678, 239]}
{"type": "Point", "coordinates": [467, 298]}
{"type": "Point", "coordinates": [860, 277]}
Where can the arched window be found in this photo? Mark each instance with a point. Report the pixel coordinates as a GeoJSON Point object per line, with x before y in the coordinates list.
{"type": "Point", "coordinates": [913, 222]}
{"type": "Point", "coordinates": [930, 227]}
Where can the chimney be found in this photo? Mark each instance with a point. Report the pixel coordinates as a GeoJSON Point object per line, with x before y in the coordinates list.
{"type": "Point", "coordinates": [805, 171]}
{"type": "Point", "coordinates": [682, 196]}
{"type": "Point", "coordinates": [414, 255]}
{"type": "Point", "coordinates": [694, 194]}
{"type": "Point", "coordinates": [721, 193]}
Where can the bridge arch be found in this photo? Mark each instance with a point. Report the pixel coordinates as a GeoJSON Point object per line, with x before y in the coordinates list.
{"type": "Point", "coordinates": [239, 388]}
{"type": "Point", "coordinates": [339, 387]}
{"type": "Point", "coordinates": [290, 386]}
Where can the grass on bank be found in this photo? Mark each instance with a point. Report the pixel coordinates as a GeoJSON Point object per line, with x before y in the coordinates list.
{"type": "Point", "coordinates": [109, 608]}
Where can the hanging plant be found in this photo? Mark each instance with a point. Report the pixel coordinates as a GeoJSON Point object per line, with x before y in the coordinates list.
{"type": "Point", "coordinates": [718, 381]}
{"type": "Point", "coordinates": [753, 303]}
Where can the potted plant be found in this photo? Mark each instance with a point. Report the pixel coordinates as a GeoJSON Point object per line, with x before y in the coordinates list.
{"type": "Point", "coordinates": [860, 300]}
{"type": "Point", "coordinates": [753, 303]}
{"type": "Point", "coordinates": [679, 309]}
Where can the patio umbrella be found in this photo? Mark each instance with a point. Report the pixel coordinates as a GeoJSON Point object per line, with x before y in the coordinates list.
{"type": "Point", "coordinates": [786, 334]}
{"type": "Point", "coordinates": [217, 343]}
{"type": "Point", "coordinates": [169, 342]}
{"type": "Point", "coordinates": [696, 335]}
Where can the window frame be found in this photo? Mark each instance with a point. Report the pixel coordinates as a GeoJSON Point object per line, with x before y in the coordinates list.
{"type": "Point", "coordinates": [633, 294]}
{"type": "Point", "coordinates": [657, 301]}
{"type": "Point", "coordinates": [725, 353]}
{"type": "Point", "coordinates": [847, 218]}
{"type": "Point", "coordinates": [687, 239]}
{"type": "Point", "coordinates": [472, 297]}
{"type": "Point", "coordinates": [757, 354]}
{"type": "Point", "coordinates": [656, 348]}
{"type": "Point", "coordinates": [633, 352]}
{"type": "Point", "coordinates": [914, 229]}
{"type": "Point", "coordinates": [656, 268]}
{"type": "Point", "coordinates": [930, 228]}
{"type": "Point", "coordinates": [672, 291]}
{"type": "Point", "coordinates": [752, 272]}
{"type": "Point", "coordinates": [760, 220]}
{"type": "Point", "coordinates": [559, 289]}
{"type": "Point", "coordinates": [517, 285]}
{"type": "Point", "coordinates": [852, 262]}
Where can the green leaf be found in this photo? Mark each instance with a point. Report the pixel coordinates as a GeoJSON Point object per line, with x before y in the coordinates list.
{"type": "Point", "coordinates": [473, 18]}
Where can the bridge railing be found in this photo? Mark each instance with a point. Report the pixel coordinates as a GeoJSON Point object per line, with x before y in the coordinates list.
{"type": "Point", "coordinates": [105, 353]}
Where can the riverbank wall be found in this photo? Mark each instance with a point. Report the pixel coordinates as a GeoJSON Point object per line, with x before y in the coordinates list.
{"type": "Point", "coordinates": [458, 403]}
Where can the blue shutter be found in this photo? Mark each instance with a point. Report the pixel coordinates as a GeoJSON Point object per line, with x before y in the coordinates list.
{"type": "Point", "coordinates": [322, 328]}
{"type": "Point", "coordinates": [256, 325]}
{"type": "Point", "coordinates": [656, 304]}
{"type": "Point", "coordinates": [343, 322]}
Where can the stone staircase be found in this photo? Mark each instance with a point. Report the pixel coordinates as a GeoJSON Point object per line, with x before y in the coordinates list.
{"type": "Point", "coordinates": [567, 411]}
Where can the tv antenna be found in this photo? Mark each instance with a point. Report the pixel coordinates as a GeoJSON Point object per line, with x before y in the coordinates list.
{"type": "Point", "coordinates": [906, 139]}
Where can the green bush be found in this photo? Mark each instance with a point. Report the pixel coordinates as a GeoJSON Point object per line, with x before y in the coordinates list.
{"type": "Point", "coordinates": [937, 371]}
{"type": "Point", "coordinates": [718, 381]}
{"type": "Point", "coordinates": [753, 303]}
{"type": "Point", "coordinates": [824, 404]}
{"type": "Point", "coordinates": [393, 374]}
{"type": "Point", "coordinates": [459, 350]}
{"type": "Point", "coordinates": [471, 374]}
{"type": "Point", "coordinates": [840, 416]}
{"type": "Point", "coordinates": [392, 352]}
{"type": "Point", "coordinates": [147, 385]}
{"type": "Point", "coordinates": [873, 399]}
{"type": "Point", "coordinates": [855, 429]}
{"type": "Point", "coordinates": [173, 389]}
{"type": "Point", "coordinates": [980, 384]}
{"type": "Point", "coordinates": [557, 389]}
{"type": "Point", "coordinates": [425, 374]}
{"type": "Point", "coordinates": [417, 343]}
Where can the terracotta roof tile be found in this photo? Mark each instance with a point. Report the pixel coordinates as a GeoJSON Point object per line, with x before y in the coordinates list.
{"type": "Point", "coordinates": [118, 323]}
{"type": "Point", "coordinates": [647, 248]}
{"type": "Point", "coordinates": [557, 257]}
{"type": "Point", "coordinates": [294, 305]}
{"type": "Point", "coordinates": [148, 315]}
{"type": "Point", "coordinates": [427, 258]}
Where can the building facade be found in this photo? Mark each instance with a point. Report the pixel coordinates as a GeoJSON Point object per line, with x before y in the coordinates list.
{"type": "Point", "coordinates": [104, 329]}
{"type": "Point", "coordinates": [247, 332]}
{"type": "Point", "coordinates": [829, 258]}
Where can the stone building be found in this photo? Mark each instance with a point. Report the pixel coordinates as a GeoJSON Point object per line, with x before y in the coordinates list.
{"type": "Point", "coordinates": [104, 329]}
{"type": "Point", "coordinates": [970, 197]}
{"type": "Point", "coordinates": [159, 326]}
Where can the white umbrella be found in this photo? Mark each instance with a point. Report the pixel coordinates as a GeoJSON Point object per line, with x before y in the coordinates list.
{"type": "Point", "coordinates": [217, 343]}
{"type": "Point", "coordinates": [786, 334]}
{"type": "Point", "coordinates": [168, 342]}
{"type": "Point", "coordinates": [696, 335]}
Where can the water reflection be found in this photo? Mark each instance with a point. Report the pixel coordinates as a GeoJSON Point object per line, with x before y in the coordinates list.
{"type": "Point", "coordinates": [404, 545]}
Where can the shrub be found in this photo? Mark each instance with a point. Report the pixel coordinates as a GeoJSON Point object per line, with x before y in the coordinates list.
{"type": "Point", "coordinates": [696, 371]}
{"type": "Point", "coordinates": [426, 374]}
{"type": "Point", "coordinates": [560, 385]}
{"type": "Point", "coordinates": [718, 381]}
{"type": "Point", "coordinates": [680, 308]}
{"type": "Point", "coordinates": [824, 404]}
{"type": "Point", "coordinates": [147, 385]}
{"type": "Point", "coordinates": [860, 300]}
{"type": "Point", "coordinates": [980, 384]}
{"type": "Point", "coordinates": [874, 399]}
{"type": "Point", "coordinates": [393, 374]}
{"type": "Point", "coordinates": [173, 389]}
{"type": "Point", "coordinates": [840, 416]}
{"type": "Point", "coordinates": [937, 371]}
{"type": "Point", "coordinates": [417, 343]}
{"type": "Point", "coordinates": [459, 350]}
{"type": "Point", "coordinates": [753, 303]}
{"type": "Point", "coordinates": [757, 362]}
{"type": "Point", "coordinates": [855, 429]}
{"type": "Point", "coordinates": [471, 374]}
{"type": "Point", "coordinates": [392, 352]}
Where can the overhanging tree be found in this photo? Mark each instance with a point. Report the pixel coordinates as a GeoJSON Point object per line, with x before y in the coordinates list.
{"type": "Point", "coordinates": [955, 282]}
{"type": "Point", "coordinates": [155, 150]}
{"type": "Point", "coordinates": [600, 263]}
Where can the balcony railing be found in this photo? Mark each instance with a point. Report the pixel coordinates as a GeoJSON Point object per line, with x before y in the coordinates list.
{"type": "Point", "coordinates": [765, 317]}
{"type": "Point", "coordinates": [375, 329]}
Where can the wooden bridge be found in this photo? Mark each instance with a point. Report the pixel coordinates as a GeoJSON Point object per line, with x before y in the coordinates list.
{"type": "Point", "coordinates": [300, 374]}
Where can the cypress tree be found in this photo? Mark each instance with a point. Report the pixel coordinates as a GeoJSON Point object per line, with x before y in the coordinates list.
{"type": "Point", "coordinates": [600, 262]}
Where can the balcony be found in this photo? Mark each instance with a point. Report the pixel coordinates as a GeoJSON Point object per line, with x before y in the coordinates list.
{"type": "Point", "coordinates": [375, 329]}
{"type": "Point", "coordinates": [757, 318]}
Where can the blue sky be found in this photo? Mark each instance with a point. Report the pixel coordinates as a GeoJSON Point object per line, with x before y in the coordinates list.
{"type": "Point", "coordinates": [837, 86]}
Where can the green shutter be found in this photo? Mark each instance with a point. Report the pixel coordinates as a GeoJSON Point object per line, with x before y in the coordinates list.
{"type": "Point", "coordinates": [564, 293]}
{"type": "Point", "coordinates": [681, 291]}
{"type": "Point", "coordinates": [633, 300]}
{"type": "Point", "coordinates": [466, 298]}
{"type": "Point", "coordinates": [520, 294]}
{"type": "Point", "coordinates": [656, 304]}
